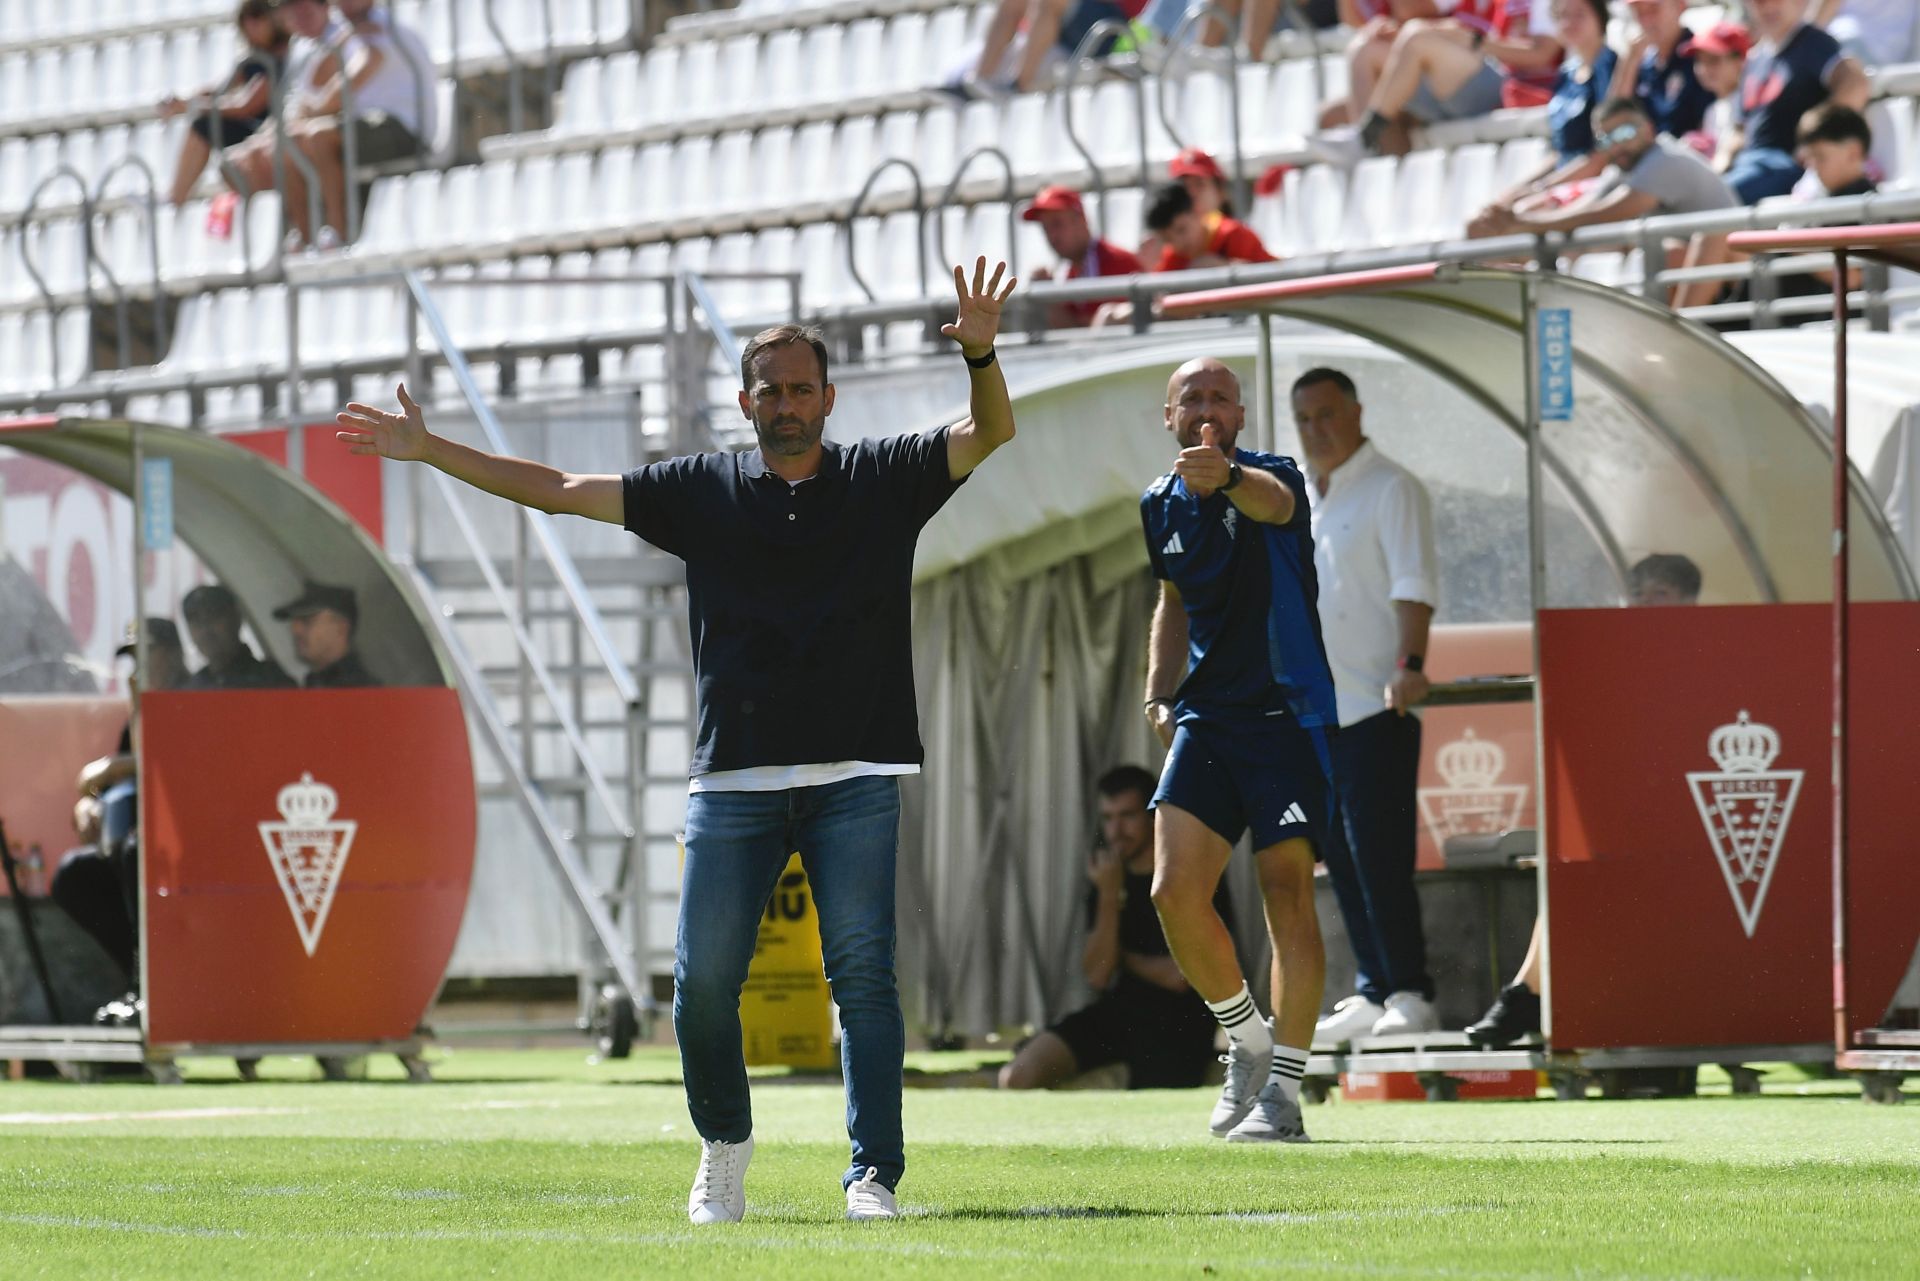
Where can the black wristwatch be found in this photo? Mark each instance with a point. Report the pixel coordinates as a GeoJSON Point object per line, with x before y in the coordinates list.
{"type": "Point", "coordinates": [979, 362]}
{"type": "Point", "coordinates": [1414, 663]}
{"type": "Point", "coordinates": [1233, 476]}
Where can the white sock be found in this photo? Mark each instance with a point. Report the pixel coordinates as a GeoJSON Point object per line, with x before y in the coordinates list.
{"type": "Point", "coordinates": [1289, 1065]}
{"type": "Point", "coordinates": [1241, 1017]}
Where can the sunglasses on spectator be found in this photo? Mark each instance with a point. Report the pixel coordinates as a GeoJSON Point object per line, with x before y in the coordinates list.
{"type": "Point", "coordinates": [1618, 134]}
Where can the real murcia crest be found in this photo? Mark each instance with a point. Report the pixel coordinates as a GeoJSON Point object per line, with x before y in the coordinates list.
{"type": "Point", "coordinates": [1474, 801]}
{"type": "Point", "coordinates": [1746, 806]}
{"type": "Point", "coordinates": [308, 850]}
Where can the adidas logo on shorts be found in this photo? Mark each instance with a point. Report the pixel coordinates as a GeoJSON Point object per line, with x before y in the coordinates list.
{"type": "Point", "coordinates": [1294, 814]}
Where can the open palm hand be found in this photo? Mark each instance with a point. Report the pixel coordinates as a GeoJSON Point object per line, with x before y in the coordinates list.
{"type": "Point", "coordinates": [368, 430]}
{"type": "Point", "coordinates": [980, 302]}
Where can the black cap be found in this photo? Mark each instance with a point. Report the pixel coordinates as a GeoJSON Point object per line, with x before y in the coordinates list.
{"type": "Point", "coordinates": [209, 600]}
{"type": "Point", "coordinates": [318, 596]}
{"type": "Point", "coordinates": [160, 631]}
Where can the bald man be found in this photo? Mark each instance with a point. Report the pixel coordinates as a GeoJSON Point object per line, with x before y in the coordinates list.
{"type": "Point", "coordinates": [1239, 689]}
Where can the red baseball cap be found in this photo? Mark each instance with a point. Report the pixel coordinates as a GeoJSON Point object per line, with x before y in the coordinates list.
{"type": "Point", "coordinates": [1053, 198]}
{"type": "Point", "coordinates": [1724, 37]}
{"type": "Point", "coordinates": [1195, 163]}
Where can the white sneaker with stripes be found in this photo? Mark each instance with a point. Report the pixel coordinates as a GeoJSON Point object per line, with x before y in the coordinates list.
{"type": "Point", "coordinates": [868, 1198]}
{"type": "Point", "coordinates": [1274, 1118]}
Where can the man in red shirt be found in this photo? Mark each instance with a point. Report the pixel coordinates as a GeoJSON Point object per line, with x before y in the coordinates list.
{"type": "Point", "coordinates": [1063, 220]}
{"type": "Point", "coordinates": [1192, 239]}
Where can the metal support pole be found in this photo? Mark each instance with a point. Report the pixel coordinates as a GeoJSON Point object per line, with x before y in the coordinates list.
{"type": "Point", "coordinates": [1269, 433]}
{"type": "Point", "coordinates": [1537, 596]}
{"type": "Point", "coordinates": [1842, 1035]}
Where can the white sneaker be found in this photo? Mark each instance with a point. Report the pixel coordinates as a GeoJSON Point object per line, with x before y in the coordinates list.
{"type": "Point", "coordinates": [1246, 1074]}
{"type": "Point", "coordinates": [1354, 1016]}
{"type": "Point", "coordinates": [868, 1198]}
{"type": "Point", "coordinates": [1274, 1118]}
{"type": "Point", "coordinates": [1408, 1014]}
{"type": "Point", "coordinates": [719, 1187]}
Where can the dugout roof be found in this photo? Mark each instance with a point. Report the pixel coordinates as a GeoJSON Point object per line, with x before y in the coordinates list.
{"type": "Point", "coordinates": [1677, 439]}
{"type": "Point", "coordinates": [261, 530]}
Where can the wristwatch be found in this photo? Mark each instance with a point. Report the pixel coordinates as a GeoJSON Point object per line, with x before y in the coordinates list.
{"type": "Point", "coordinates": [979, 362]}
{"type": "Point", "coordinates": [1413, 663]}
{"type": "Point", "coordinates": [1233, 476]}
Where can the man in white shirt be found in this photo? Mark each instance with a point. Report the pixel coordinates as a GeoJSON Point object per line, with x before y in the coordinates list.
{"type": "Point", "coordinates": [1373, 554]}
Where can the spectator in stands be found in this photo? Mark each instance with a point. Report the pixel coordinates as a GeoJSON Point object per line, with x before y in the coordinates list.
{"type": "Point", "coordinates": [312, 61]}
{"type": "Point", "coordinates": [1373, 553]}
{"type": "Point", "coordinates": [1720, 61]}
{"type": "Point", "coordinates": [1658, 69]}
{"type": "Point", "coordinates": [1144, 1015]}
{"type": "Point", "coordinates": [387, 82]}
{"type": "Point", "coordinates": [1664, 578]}
{"type": "Point", "coordinates": [1832, 143]}
{"type": "Point", "coordinates": [213, 620]}
{"type": "Point", "coordinates": [1647, 175]}
{"type": "Point", "coordinates": [1193, 239]}
{"type": "Point", "coordinates": [1207, 183]}
{"type": "Point", "coordinates": [322, 620]}
{"type": "Point", "coordinates": [1187, 239]}
{"type": "Point", "coordinates": [1792, 69]}
{"type": "Point", "coordinates": [1486, 54]}
{"type": "Point", "coordinates": [1063, 220]}
{"type": "Point", "coordinates": [1877, 33]}
{"type": "Point", "coordinates": [1054, 29]}
{"type": "Point", "coordinates": [225, 116]}
{"type": "Point", "coordinates": [1376, 24]}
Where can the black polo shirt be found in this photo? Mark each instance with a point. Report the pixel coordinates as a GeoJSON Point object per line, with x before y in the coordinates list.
{"type": "Point", "coordinates": [797, 596]}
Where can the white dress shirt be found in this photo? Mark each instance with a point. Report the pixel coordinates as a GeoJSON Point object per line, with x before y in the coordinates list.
{"type": "Point", "coordinates": [1372, 545]}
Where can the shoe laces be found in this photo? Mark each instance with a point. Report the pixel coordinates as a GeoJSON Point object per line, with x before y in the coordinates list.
{"type": "Point", "coordinates": [867, 1192]}
{"type": "Point", "coordinates": [1241, 1069]}
{"type": "Point", "coordinates": [716, 1167]}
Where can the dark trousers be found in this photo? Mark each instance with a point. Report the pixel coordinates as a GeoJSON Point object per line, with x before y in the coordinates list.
{"type": "Point", "coordinates": [89, 888]}
{"type": "Point", "coordinates": [1370, 854]}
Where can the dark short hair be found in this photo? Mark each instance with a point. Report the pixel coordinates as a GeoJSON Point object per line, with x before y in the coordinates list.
{"type": "Point", "coordinates": [1671, 568]}
{"type": "Point", "coordinates": [209, 600]}
{"type": "Point", "coordinates": [1622, 107]}
{"type": "Point", "coordinates": [1323, 374]}
{"type": "Point", "coordinates": [255, 9]}
{"type": "Point", "coordinates": [1602, 12]}
{"type": "Point", "coordinates": [1832, 122]}
{"type": "Point", "coordinates": [1122, 779]}
{"type": "Point", "coordinates": [782, 336]}
{"type": "Point", "coordinates": [1170, 200]}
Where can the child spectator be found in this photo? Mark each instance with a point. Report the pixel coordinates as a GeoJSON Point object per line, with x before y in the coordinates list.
{"type": "Point", "coordinates": [1793, 68]}
{"type": "Point", "coordinates": [1720, 59]}
{"type": "Point", "coordinates": [1832, 143]}
{"type": "Point", "coordinates": [1659, 69]}
{"type": "Point", "coordinates": [1192, 240]}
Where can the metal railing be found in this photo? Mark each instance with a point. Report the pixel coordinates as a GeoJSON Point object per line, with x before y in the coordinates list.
{"type": "Point", "coordinates": [87, 256]}
{"type": "Point", "coordinates": [1008, 187]}
{"type": "Point", "coordinates": [1083, 57]}
{"type": "Point", "coordinates": [919, 215]}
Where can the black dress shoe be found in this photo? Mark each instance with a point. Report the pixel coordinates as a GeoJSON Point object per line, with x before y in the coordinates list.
{"type": "Point", "coordinates": [1514, 1013]}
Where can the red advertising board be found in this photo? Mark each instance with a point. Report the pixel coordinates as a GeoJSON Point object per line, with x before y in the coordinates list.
{"type": "Point", "coordinates": [306, 856]}
{"type": "Point", "coordinates": [1689, 821]}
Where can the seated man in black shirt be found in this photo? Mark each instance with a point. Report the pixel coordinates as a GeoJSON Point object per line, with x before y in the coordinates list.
{"type": "Point", "coordinates": [1145, 1014]}
{"type": "Point", "coordinates": [213, 620]}
{"type": "Point", "coordinates": [322, 619]}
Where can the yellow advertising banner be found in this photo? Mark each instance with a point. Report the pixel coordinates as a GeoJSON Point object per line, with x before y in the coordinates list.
{"type": "Point", "coordinates": [785, 1010]}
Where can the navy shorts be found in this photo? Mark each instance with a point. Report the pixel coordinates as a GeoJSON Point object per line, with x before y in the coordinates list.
{"type": "Point", "coordinates": [1274, 776]}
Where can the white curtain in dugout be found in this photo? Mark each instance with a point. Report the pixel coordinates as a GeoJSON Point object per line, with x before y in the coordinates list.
{"type": "Point", "coordinates": [1030, 688]}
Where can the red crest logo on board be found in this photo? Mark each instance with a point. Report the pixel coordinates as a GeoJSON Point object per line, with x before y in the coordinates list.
{"type": "Point", "coordinates": [1746, 806]}
{"type": "Point", "coordinates": [308, 850]}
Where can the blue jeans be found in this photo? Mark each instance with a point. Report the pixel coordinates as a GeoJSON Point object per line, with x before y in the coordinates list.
{"type": "Point", "coordinates": [1370, 856]}
{"type": "Point", "coordinates": [738, 843]}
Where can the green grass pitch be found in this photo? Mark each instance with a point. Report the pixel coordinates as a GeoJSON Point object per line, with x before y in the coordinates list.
{"type": "Point", "coordinates": [539, 1165]}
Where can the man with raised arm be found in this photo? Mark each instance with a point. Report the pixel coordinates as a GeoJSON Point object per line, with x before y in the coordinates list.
{"type": "Point", "coordinates": [799, 557]}
{"type": "Point", "coordinates": [1238, 687]}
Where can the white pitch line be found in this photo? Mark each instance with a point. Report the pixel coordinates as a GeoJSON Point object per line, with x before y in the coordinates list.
{"type": "Point", "coordinates": [170, 1114]}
